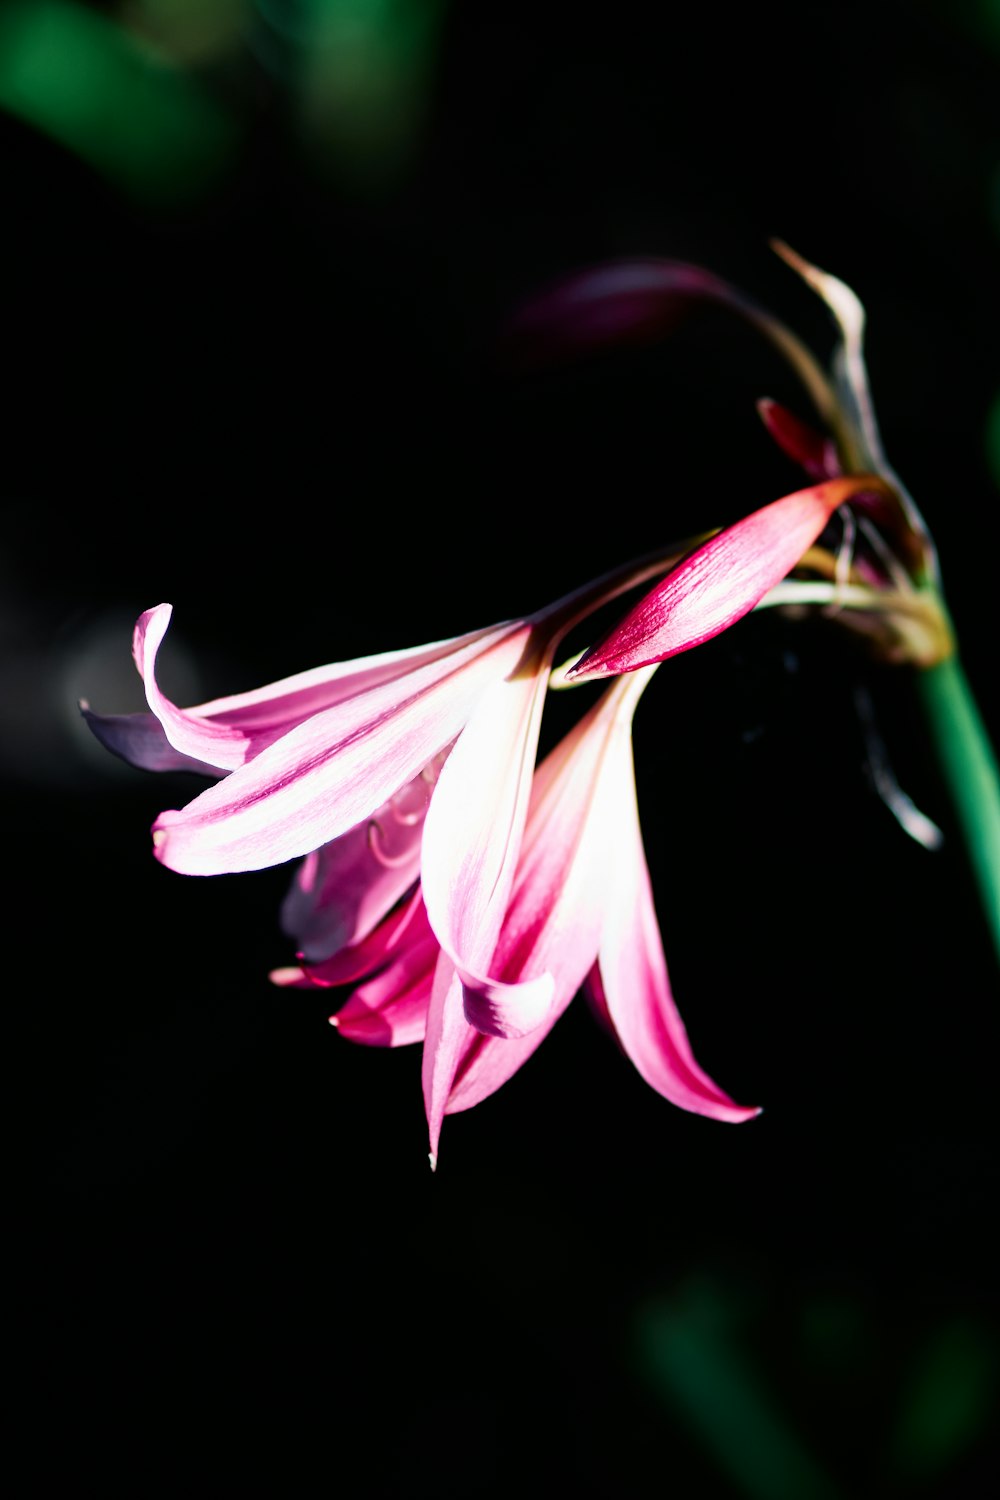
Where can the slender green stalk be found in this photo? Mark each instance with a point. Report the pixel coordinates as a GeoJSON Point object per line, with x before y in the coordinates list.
{"type": "Point", "coordinates": [970, 769]}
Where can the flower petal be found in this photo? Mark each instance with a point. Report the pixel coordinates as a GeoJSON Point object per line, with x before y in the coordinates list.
{"type": "Point", "coordinates": [553, 921]}
{"type": "Point", "coordinates": [406, 923]}
{"type": "Point", "coordinates": [341, 892]}
{"type": "Point", "coordinates": [225, 733]}
{"type": "Point", "coordinates": [396, 965]}
{"type": "Point", "coordinates": [720, 581]}
{"type": "Point", "coordinates": [390, 1008]}
{"type": "Point", "coordinates": [634, 983]}
{"type": "Point", "coordinates": [474, 825]}
{"type": "Point", "coordinates": [802, 444]}
{"type": "Point", "coordinates": [139, 739]}
{"type": "Point", "coordinates": [334, 770]}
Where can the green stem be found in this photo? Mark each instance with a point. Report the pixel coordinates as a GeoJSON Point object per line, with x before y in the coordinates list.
{"type": "Point", "coordinates": [970, 769]}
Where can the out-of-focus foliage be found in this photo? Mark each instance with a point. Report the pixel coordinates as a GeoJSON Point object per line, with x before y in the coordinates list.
{"type": "Point", "coordinates": [134, 114]}
{"type": "Point", "coordinates": [924, 1404]}
{"type": "Point", "coordinates": [157, 95]}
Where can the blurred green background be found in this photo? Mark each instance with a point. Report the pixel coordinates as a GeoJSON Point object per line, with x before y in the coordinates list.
{"type": "Point", "coordinates": [259, 257]}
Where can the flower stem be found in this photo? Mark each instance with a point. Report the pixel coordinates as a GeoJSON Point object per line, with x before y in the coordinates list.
{"type": "Point", "coordinates": [970, 770]}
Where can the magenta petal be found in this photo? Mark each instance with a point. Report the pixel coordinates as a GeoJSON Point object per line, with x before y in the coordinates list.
{"type": "Point", "coordinates": [718, 583]}
{"type": "Point", "coordinates": [405, 925]}
{"type": "Point", "coordinates": [813, 452]}
{"type": "Point", "coordinates": [390, 1009]}
{"type": "Point", "coordinates": [378, 1020]}
{"type": "Point", "coordinates": [636, 990]}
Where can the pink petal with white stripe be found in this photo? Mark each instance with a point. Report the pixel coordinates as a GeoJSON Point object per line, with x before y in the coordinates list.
{"type": "Point", "coordinates": [554, 917]}
{"type": "Point", "coordinates": [472, 838]}
{"type": "Point", "coordinates": [334, 770]}
{"type": "Point", "coordinates": [473, 830]}
{"type": "Point", "coordinates": [228, 732]}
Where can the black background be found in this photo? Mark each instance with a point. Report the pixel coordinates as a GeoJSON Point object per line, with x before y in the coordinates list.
{"type": "Point", "coordinates": [280, 408]}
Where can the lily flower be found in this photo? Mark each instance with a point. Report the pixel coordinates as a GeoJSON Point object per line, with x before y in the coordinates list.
{"type": "Point", "coordinates": [580, 916]}
{"type": "Point", "coordinates": [341, 767]}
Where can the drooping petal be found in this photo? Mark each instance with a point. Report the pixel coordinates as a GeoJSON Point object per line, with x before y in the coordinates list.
{"type": "Point", "coordinates": [472, 834]}
{"type": "Point", "coordinates": [553, 921]}
{"type": "Point", "coordinates": [634, 985]}
{"type": "Point", "coordinates": [333, 771]}
{"type": "Point", "coordinates": [720, 581]}
{"type": "Point", "coordinates": [139, 739]}
{"type": "Point", "coordinates": [228, 732]}
{"type": "Point", "coordinates": [472, 838]}
{"type": "Point", "coordinates": [390, 1012]}
{"type": "Point", "coordinates": [362, 959]}
{"type": "Point", "coordinates": [341, 892]}
{"type": "Point", "coordinates": [395, 964]}
{"type": "Point", "coordinates": [390, 1008]}
{"type": "Point", "coordinates": [556, 911]}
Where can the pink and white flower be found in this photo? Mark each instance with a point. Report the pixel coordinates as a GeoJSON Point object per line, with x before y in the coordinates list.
{"type": "Point", "coordinates": [580, 914]}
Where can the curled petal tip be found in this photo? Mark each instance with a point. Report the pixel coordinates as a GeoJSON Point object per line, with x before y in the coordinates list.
{"type": "Point", "coordinates": [508, 1011]}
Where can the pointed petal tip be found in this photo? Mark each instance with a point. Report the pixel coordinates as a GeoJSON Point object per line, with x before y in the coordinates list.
{"type": "Point", "coordinates": [291, 977]}
{"type": "Point", "coordinates": [590, 664]}
{"type": "Point", "coordinates": [433, 1161]}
